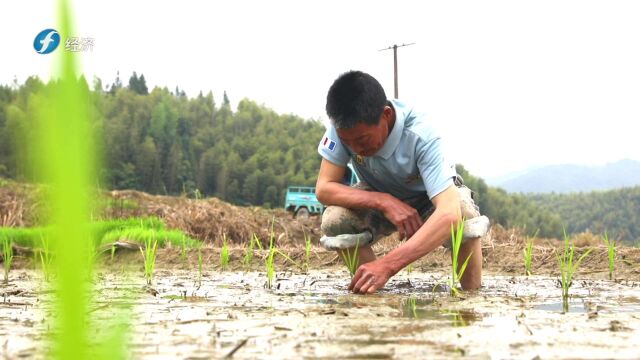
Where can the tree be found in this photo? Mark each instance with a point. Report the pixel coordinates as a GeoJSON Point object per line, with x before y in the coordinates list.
{"type": "Point", "coordinates": [117, 84]}
{"type": "Point", "coordinates": [138, 84]}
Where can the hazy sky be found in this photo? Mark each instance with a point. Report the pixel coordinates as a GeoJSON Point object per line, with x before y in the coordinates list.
{"type": "Point", "coordinates": [512, 84]}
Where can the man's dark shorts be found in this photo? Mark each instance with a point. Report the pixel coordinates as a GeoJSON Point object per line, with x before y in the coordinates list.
{"type": "Point", "coordinates": [338, 220]}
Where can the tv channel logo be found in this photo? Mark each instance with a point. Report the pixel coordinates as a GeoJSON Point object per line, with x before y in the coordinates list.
{"type": "Point", "coordinates": [46, 41]}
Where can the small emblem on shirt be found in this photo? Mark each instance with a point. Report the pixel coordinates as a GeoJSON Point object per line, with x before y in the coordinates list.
{"type": "Point", "coordinates": [328, 143]}
{"type": "Point", "coordinates": [360, 160]}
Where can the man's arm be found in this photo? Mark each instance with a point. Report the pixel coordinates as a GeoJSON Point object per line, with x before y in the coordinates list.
{"type": "Point", "coordinates": [433, 233]}
{"type": "Point", "coordinates": [331, 191]}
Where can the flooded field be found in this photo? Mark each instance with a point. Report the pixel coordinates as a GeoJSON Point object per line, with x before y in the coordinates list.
{"type": "Point", "coordinates": [232, 314]}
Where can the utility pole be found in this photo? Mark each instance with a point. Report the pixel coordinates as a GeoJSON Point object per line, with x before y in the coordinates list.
{"type": "Point", "coordinates": [395, 66]}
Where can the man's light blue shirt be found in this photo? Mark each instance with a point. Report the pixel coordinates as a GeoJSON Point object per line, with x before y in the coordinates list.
{"type": "Point", "coordinates": [410, 163]}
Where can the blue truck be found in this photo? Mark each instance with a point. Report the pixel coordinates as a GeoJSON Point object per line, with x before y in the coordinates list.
{"type": "Point", "coordinates": [301, 201]}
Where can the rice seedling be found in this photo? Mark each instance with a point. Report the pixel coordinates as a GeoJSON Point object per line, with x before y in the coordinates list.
{"type": "Point", "coordinates": [270, 267]}
{"type": "Point", "coordinates": [289, 259]}
{"type": "Point", "coordinates": [257, 241]}
{"type": "Point", "coordinates": [199, 264]}
{"type": "Point", "coordinates": [224, 253]}
{"type": "Point", "coordinates": [7, 256]}
{"type": "Point", "coordinates": [248, 253]}
{"type": "Point", "coordinates": [46, 257]}
{"type": "Point", "coordinates": [568, 268]}
{"type": "Point", "coordinates": [458, 320]}
{"type": "Point", "coordinates": [528, 254]}
{"type": "Point", "coordinates": [409, 271]}
{"type": "Point", "coordinates": [307, 250]}
{"type": "Point", "coordinates": [149, 256]}
{"type": "Point", "coordinates": [411, 303]}
{"type": "Point", "coordinates": [457, 272]}
{"type": "Point", "coordinates": [183, 250]}
{"type": "Point", "coordinates": [269, 264]}
{"type": "Point", "coordinates": [197, 194]}
{"type": "Point", "coordinates": [351, 259]}
{"type": "Point", "coordinates": [611, 254]}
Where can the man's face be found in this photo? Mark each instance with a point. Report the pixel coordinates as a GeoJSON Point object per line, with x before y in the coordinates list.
{"type": "Point", "coordinates": [363, 139]}
{"type": "Point", "coordinates": [366, 140]}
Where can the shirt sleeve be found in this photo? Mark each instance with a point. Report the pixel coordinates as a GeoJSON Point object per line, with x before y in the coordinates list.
{"type": "Point", "coordinates": [332, 149]}
{"type": "Point", "coordinates": [437, 173]}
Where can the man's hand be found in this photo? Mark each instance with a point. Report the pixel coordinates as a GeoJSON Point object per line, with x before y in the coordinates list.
{"type": "Point", "coordinates": [370, 277]}
{"type": "Point", "coordinates": [404, 217]}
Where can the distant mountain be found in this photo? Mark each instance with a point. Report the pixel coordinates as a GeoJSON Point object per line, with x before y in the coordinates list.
{"type": "Point", "coordinates": [571, 178]}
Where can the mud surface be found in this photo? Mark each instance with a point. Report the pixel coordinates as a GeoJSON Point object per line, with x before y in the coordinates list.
{"type": "Point", "coordinates": [232, 314]}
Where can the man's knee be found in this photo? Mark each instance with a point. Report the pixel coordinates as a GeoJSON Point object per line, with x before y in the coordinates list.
{"type": "Point", "coordinates": [468, 206]}
{"type": "Point", "coordinates": [337, 220]}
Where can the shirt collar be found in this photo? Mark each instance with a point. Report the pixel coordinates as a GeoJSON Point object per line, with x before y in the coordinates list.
{"type": "Point", "coordinates": [396, 133]}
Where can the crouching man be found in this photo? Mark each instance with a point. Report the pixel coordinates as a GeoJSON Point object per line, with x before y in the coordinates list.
{"type": "Point", "coordinates": [406, 185]}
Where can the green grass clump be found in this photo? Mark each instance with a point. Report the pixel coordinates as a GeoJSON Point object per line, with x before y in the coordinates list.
{"type": "Point", "coordinates": [104, 232]}
{"type": "Point", "coordinates": [7, 256]}
{"type": "Point", "coordinates": [149, 256]}
{"type": "Point", "coordinates": [457, 234]}
{"type": "Point", "coordinates": [224, 253]}
{"type": "Point", "coordinates": [568, 267]}
{"type": "Point", "coordinates": [611, 254]}
{"type": "Point", "coordinates": [140, 234]}
{"type": "Point", "coordinates": [528, 254]}
{"type": "Point", "coordinates": [351, 259]}
{"type": "Point", "coordinates": [26, 237]}
{"type": "Point", "coordinates": [100, 229]}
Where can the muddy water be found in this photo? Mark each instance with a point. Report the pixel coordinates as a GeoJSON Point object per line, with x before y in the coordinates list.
{"type": "Point", "coordinates": [313, 316]}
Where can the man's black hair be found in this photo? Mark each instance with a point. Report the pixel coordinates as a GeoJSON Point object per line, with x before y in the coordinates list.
{"type": "Point", "coordinates": [355, 97]}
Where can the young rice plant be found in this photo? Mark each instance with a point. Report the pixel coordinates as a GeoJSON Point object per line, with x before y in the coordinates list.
{"type": "Point", "coordinates": [457, 234]}
{"type": "Point", "coordinates": [199, 264]}
{"type": "Point", "coordinates": [46, 257]}
{"type": "Point", "coordinates": [248, 253]}
{"type": "Point", "coordinates": [149, 256]}
{"type": "Point", "coordinates": [528, 254]}
{"type": "Point", "coordinates": [269, 265]}
{"type": "Point", "coordinates": [7, 256]}
{"type": "Point", "coordinates": [611, 254]}
{"type": "Point", "coordinates": [351, 259]}
{"type": "Point", "coordinates": [224, 253]}
{"type": "Point", "coordinates": [568, 267]}
{"type": "Point", "coordinates": [307, 250]}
